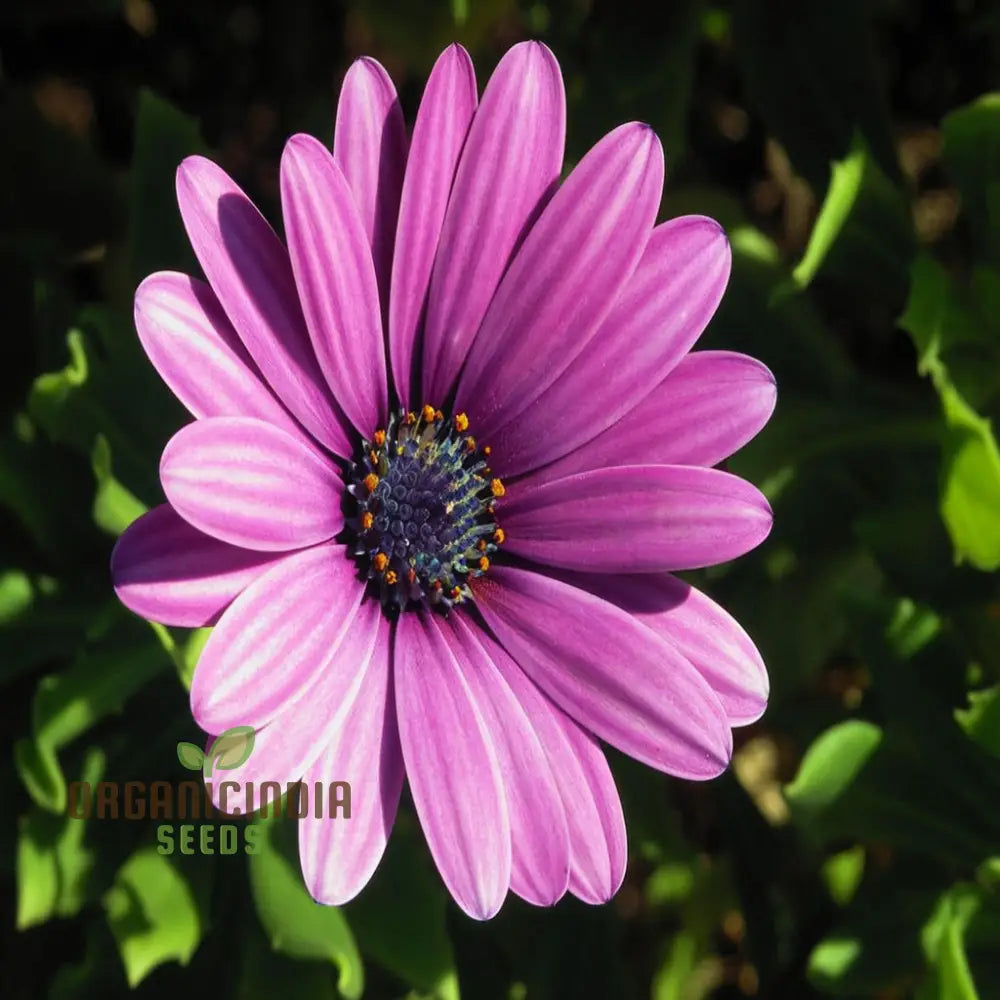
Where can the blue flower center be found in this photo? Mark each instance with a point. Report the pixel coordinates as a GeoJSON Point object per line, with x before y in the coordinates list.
{"type": "Point", "coordinates": [424, 521]}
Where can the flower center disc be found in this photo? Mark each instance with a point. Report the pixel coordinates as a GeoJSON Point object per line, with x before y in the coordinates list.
{"type": "Point", "coordinates": [424, 524]}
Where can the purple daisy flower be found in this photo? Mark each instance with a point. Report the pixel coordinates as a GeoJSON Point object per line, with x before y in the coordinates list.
{"type": "Point", "coordinates": [448, 446]}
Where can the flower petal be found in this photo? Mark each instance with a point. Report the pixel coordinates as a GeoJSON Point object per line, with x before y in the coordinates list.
{"type": "Point", "coordinates": [310, 716]}
{"type": "Point", "coordinates": [446, 111]}
{"type": "Point", "coordinates": [452, 768]}
{"type": "Point", "coordinates": [339, 855]}
{"type": "Point", "coordinates": [169, 572]}
{"type": "Point", "coordinates": [636, 519]}
{"type": "Point", "coordinates": [540, 857]}
{"type": "Point", "coordinates": [509, 168]}
{"type": "Point", "coordinates": [191, 343]}
{"type": "Point", "coordinates": [276, 638]}
{"type": "Point", "coordinates": [369, 145]}
{"type": "Point", "coordinates": [251, 484]}
{"type": "Point", "coordinates": [705, 633]}
{"type": "Point", "coordinates": [656, 318]}
{"type": "Point", "coordinates": [592, 808]}
{"type": "Point", "coordinates": [608, 672]}
{"type": "Point", "coordinates": [705, 410]}
{"type": "Point", "coordinates": [249, 271]}
{"type": "Point", "coordinates": [565, 277]}
{"type": "Point", "coordinates": [336, 280]}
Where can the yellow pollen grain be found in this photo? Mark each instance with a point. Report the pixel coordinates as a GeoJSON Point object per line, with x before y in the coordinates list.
{"type": "Point", "coordinates": [456, 593]}
{"type": "Point", "coordinates": [428, 413]}
{"type": "Point", "coordinates": [390, 577]}
{"type": "Point", "coordinates": [410, 419]}
{"type": "Point", "coordinates": [481, 545]}
{"type": "Point", "coordinates": [484, 563]}
{"type": "Point", "coordinates": [497, 488]}
{"type": "Point", "coordinates": [461, 423]}
{"type": "Point", "coordinates": [499, 535]}
{"type": "Point", "coordinates": [373, 457]}
{"type": "Point", "coordinates": [487, 450]}
{"type": "Point", "coordinates": [367, 520]}
{"type": "Point", "coordinates": [381, 560]}
{"type": "Point", "coordinates": [379, 438]}
{"type": "Point", "coordinates": [470, 444]}
{"type": "Point", "coordinates": [371, 481]}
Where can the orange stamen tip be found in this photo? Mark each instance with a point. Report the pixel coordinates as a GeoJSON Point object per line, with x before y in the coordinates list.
{"type": "Point", "coordinates": [497, 487]}
{"type": "Point", "coordinates": [484, 564]}
{"type": "Point", "coordinates": [499, 535]}
{"type": "Point", "coordinates": [412, 575]}
{"type": "Point", "coordinates": [461, 422]}
{"type": "Point", "coordinates": [390, 577]}
{"type": "Point", "coordinates": [470, 444]}
{"type": "Point", "coordinates": [373, 457]}
{"type": "Point", "coordinates": [379, 438]}
{"type": "Point", "coordinates": [481, 545]}
{"type": "Point", "coordinates": [428, 413]}
{"type": "Point", "coordinates": [367, 520]}
{"type": "Point", "coordinates": [381, 560]}
{"type": "Point", "coordinates": [410, 418]}
{"type": "Point", "coordinates": [436, 585]}
{"type": "Point", "coordinates": [371, 481]}
{"type": "Point", "coordinates": [487, 450]}
{"type": "Point", "coordinates": [456, 593]}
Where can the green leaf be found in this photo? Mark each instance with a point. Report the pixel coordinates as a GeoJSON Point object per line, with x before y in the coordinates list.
{"type": "Point", "coordinates": [190, 756]}
{"type": "Point", "coordinates": [163, 137]}
{"type": "Point", "coordinates": [66, 705]}
{"type": "Point", "coordinates": [115, 508]}
{"type": "Point", "coordinates": [53, 864]}
{"type": "Point", "coordinates": [970, 483]}
{"type": "Point", "coordinates": [944, 945]}
{"type": "Point", "coordinates": [153, 914]}
{"type": "Point", "coordinates": [981, 720]}
{"type": "Point", "coordinates": [229, 749]}
{"type": "Point", "coordinates": [972, 150]}
{"type": "Point", "coordinates": [295, 924]}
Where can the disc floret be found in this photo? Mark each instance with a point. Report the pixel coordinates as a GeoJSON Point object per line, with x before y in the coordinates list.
{"type": "Point", "coordinates": [424, 521]}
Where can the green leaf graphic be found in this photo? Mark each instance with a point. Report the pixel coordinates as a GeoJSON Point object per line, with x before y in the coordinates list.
{"type": "Point", "coordinates": [230, 749]}
{"type": "Point", "coordinates": [190, 756]}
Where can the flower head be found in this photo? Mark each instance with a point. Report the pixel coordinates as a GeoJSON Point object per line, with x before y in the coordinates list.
{"type": "Point", "coordinates": [449, 445]}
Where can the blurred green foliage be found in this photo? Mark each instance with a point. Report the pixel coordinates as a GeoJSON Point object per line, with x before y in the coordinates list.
{"type": "Point", "coordinates": [852, 150]}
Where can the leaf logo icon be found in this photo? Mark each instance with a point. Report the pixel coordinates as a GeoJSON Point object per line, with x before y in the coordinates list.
{"type": "Point", "coordinates": [190, 756]}
{"type": "Point", "coordinates": [229, 749]}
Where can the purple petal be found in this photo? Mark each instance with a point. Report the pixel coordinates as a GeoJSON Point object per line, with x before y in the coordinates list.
{"type": "Point", "coordinates": [169, 572]}
{"type": "Point", "coordinates": [249, 271]}
{"type": "Point", "coordinates": [706, 409]}
{"type": "Point", "coordinates": [592, 808]}
{"type": "Point", "coordinates": [565, 278]}
{"type": "Point", "coordinates": [452, 768]}
{"type": "Point", "coordinates": [335, 276]}
{"type": "Point", "coordinates": [338, 855]}
{"type": "Point", "coordinates": [697, 627]}
{"type": "Point", "coordinates": [369, 145]}
{"type": "Point", "coordinates": [277, 639]}
{"type": "Point", "coordinates": [186, 334]}
{"type": "Point", "coordinates": [310, 717]}
{"type": "Point", "coordinates": [446, 110]}
{"type": "Point", "coordinates": [508, 169]}
{"type": "Point", "coordinates": [659, 314]}
{"type": "Point", "coordinates": [540, 858]}
{"type": "Point", "coordinates": [607, 671]}
{"type": "Point", "coordinates": [636, 519]}
{"type": "Point", "coordinates": [251, 484]}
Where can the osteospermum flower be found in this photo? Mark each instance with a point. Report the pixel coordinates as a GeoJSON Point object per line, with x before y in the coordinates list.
{"type": "Point", "coordinates": [448, 443]}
